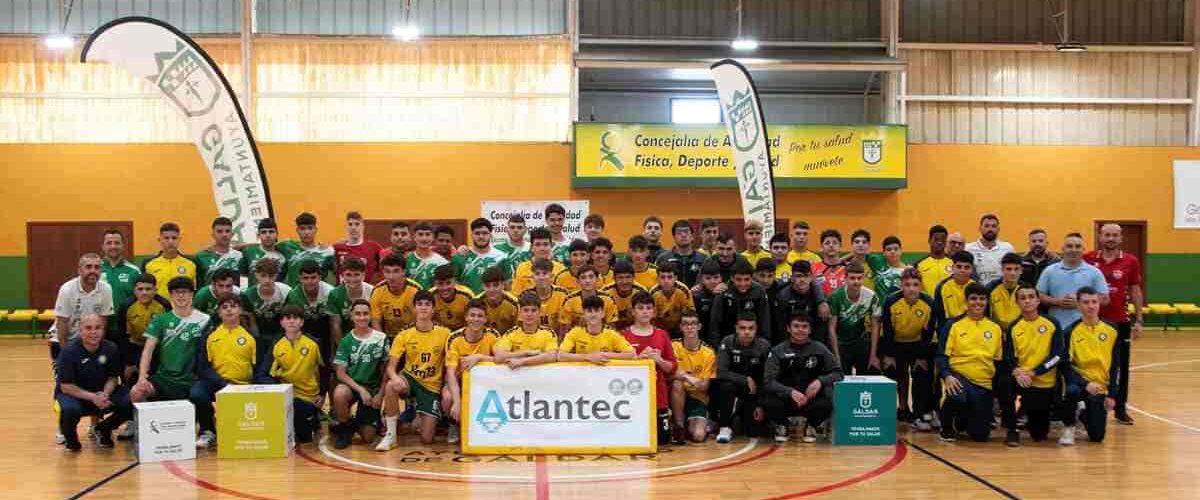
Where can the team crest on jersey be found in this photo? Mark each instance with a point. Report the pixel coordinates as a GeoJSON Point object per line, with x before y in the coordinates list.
{"type": "Point", "coordinates": [241, 341]}
{"type": "Point", "coordinates": [102, 359]}
{"type": "Point", "coordinates": [987, 334]}
{"type": "Point", "coordinates": [811, 362]}
{"type": "Point", "coordinates": [1042, 329]}
{"type": "Point", "coordinates": [304, 351]}
{"type": "Point", "coordinates": [181, 270]}
{"type": "Point", "coordinates": [1103, 337]}
{"type": "Point", "coordinates": [919, 313]}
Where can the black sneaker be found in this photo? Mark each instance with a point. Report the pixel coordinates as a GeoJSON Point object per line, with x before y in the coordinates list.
{"type": "Point", "coordinates": [104, 439]}
{"type": "Point", "coordinates": [1013, 439]}
{"type": "Point", "coordinates": [678, 436]}
{"type": "Point", "coordinates": [73, 445]}
{"type": "Point", "coordinates": [342, 435]}
{"type": "Point", "coordinates": [948, 434]}
{"type": "Point", "coordinates": [1123, 418]}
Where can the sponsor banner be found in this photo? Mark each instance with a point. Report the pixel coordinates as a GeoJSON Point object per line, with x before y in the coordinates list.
{"type": "Point", "coordinates": [628, 155]}
{"type": "Point", "coordinates": [535, 216]}
{"type": "Point", "coordinates": [864, 411]}
{"type": "Point", "coordinates": [747, 128]}
{"type": "Point", "coordinates": [560, 408]}
{"type": "Point", "coordinates": [188, 79]}
{"type": "Point", "coordinates": [1187, 194]}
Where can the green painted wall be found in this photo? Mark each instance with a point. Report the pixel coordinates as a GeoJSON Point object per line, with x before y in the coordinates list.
{"type": "Point", "coordinates": [14, 282]}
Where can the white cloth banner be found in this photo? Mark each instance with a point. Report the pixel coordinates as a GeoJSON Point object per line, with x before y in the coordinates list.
{"type": "Point", "coordinates": [534, 213]}
{"type": "Point", "coordinates": [1187, 194]}
{"type": "Point", "coordinates": [188, 79]}
{"type": "Point", "coordinates": [560, 408]}
{"type": "Point", "coordinates": [751, 151]}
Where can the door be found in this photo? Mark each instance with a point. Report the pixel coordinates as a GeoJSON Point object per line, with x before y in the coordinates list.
{"type": "Point", "coordinates": [380, 230]}
{"type": "Point", "coordinates": [54, 249]}
{"type": "Point", "coordinates": [736, 227]}
{"type": "Point", "coordinates": [1133, 234]}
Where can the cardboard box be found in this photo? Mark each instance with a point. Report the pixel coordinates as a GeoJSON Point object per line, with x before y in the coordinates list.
{"type": "Point", "coordinates": [864, 411]}
{"type": "Point", "coordinates": [166, 430]}
{"type": "Point", "coordinates": [255, 421]}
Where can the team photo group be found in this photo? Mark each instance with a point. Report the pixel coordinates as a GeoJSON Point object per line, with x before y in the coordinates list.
{"type": "Point", "coordinates": [748, 337]}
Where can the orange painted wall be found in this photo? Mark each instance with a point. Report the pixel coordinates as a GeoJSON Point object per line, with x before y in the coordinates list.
{"type": "Point", "coordinates": [1059, 188]}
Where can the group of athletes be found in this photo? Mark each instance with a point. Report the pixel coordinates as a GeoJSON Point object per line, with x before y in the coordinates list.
{"type": "Point", "coordinates": [748, 341]}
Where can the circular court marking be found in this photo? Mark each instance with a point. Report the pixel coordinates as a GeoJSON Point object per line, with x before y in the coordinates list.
{"type": "Point", "coordinates": [525, 478]}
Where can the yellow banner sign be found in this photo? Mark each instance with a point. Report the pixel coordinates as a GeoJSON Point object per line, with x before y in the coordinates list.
{"type": "Point", "coordinates": [647, 155]}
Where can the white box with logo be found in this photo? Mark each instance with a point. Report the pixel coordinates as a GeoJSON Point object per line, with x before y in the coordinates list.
{"type": "Point", "coordinates": [166, 430]}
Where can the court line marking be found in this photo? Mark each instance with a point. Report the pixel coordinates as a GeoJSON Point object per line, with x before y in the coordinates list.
{"type": "Point", "coordinates": [1157, 417]}
{"type": "Point", "coordinates": [542, 478]}
{"type": "Point", "coordinates": [104, 481]}
{"type": "Point", "coordinates": [610, 475]}
{"type": "Point", "coordinates": [178, 472]}
{"type": "Point", "coordinates": [1003, 492]}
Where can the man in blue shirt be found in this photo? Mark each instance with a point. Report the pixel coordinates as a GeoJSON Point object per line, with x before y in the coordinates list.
{"type": "Point", "coordinates": [87, 371]}
{"type": "Point", "coordinates": [1059, 282]}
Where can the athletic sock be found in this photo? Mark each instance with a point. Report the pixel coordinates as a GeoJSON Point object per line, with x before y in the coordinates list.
{"type": "Point", "coordinates": [390, 424]}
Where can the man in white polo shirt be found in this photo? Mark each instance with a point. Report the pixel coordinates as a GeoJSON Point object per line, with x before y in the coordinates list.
{"type": "Point", "coordinates": [80, 296]}
{"type": "Point", "coordinates": [988, 250]}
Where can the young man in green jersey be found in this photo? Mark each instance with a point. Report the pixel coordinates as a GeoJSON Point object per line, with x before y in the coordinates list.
{"type": "Point", "coordinates": [311, 295]}
{"type": "Point", "coordinates": [305, 249]}
{"type": "Point", "coordinates": [887, 277]}
{"type": "Point", "coordinates": [342, 297]}
{"type": "Point", "coordinates": [116, 271]}
{"type": "Point", "coordinates": [265, 249]}
{"type": "Point", "coordinates": [222, 284]}
{"type": "Point", "coordinates": [514, 245]}
{"type": "Point", "coordinates": [220, 255]}
{"type": "Point", "coordinates": [423, 261]}
{"type": "Point", "coordinates": [263, 300]}
{"type": "Point", "coordinates": [860, 252]}
{"type": "Point", "coordinates": [360, 364]}
{"type": "Point", "coordinates": [178, 332]}
{"type": "Point", "coordinates": [854, 325]}
{"type": "Point", "coordinates": [480, 257]}
{"type": "Point", "coordinates": [556, 218]}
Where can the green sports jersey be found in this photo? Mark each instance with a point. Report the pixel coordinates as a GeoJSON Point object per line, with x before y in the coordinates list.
{"type": "Point", "coordinates": [362, 358]}
{"type": "Point", "coordinates": [516, 255]}
{"type": "Point", "coordinates": [266, 310]}
{"type": "Point", "coordinates": [207, 303]}
{"type": "Point", "coordinates": [296, 254]}
{"type": "Point", "coordinates": [120, 277]}
{"type": "Point", "coordinates": [887, 282]}
{"type": "Point", "coordinates": [471, 266]}
{"type": "Point", "coordinates": [853, 317]}
{"type": "Point", "coordinates": [562, 252]}
{"type": "Point", "coordinates": [339, 301]}
{"type": "Point", "coordinates": [208, 261]}
{"type": "Point", "coordinates": [314, 310]}
{"type": "Point", "coordinates": [254, 253]}
{"type": "Point", "coordinates": [421, 270]}
{"type": "Point", "coordinates": [178, 340]}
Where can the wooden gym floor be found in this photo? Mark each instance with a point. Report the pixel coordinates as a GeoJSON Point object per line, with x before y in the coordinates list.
{"type": "Point", "coordinates": [1154, 459]}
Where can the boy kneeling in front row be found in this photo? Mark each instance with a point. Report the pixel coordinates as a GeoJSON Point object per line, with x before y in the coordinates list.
{"type": "Point", "coordinates": [297, 360]}
{"type": "Point", "coordinates": [799, 377]}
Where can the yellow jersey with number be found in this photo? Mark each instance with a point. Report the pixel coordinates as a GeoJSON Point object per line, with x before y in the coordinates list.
{"type": "Point", "coordinates": [670, 306]}
{"type": "Point", "coordinates": [424, 354]}
{"type": "Point", "coordinates": [624, 304]}
{"type": "Point", "coordinates": [580, 341]}
{"type": "Point", "coordinates": [298, 363]}
{"type": "Point", "coordinates": [452, 313]}
{"type": "Point", "coordinates": [394, 309]}
{"type": "Point", "coordinates": [503, 315]}
{"type": "Point", "coordinates": [700, 363]}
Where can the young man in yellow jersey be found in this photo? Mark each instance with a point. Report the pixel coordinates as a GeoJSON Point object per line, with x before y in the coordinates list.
{"type": "Point", "coordinates": [971, 352]}
{"type": "Point", "coordinates": [422, 350]}
{"type": "Point", "coordinates": [696, 367]}
{"type": "Point", "coordinates": [1091, 347]}
{"type": "Point", "coordinates": [579, 256]}
{"type": "Point", "coordinates": [753, 232]}
{"type": "Point", "coordinates": [671, 299]}
{"type": "Point", "coordinates": [450, 298]}
{"type": "Point", "coordinates": [469, 345]}
{"type": "Point", "coordinates": [528, 343]}
{"type": "Point", "coordinates": [169, 263]}
{"type": "Point", "coordinates": [228, 355]}
{"type": "Point", "coordinates": [541, 248]}
{"type": "Point", "coordinates": [549, 296]}
{"type": "Point", "coordinates": [950, 298]}
{"type": "Point", "coordinates": [392, 299]}
{"type": "Point", "coordinates": [600, 251]}
{"type": "Point", "coordinates": [571, 314]}
{"type": "Point", "coordinates": [936, 266]}
{"type": "Point", "coordinates": [1002, 292]}
{"type": "Point", "coordinates": [710, 229]}
{"type": "Point", "coordinates": [622, 291]}
{"type": "Point", "coordinates": [779, 247]}
{"type": "Point", "coordinates": [132, 319]}
{"type": "Point", "coordinates": [593, 342]}
{"type": "Point", "coordinates": [297, 359]}
{"type": "Point", "coordinates": [906, 348]}
{"type": "Point", "coordinates": [644, 273]}
{"type": "Point", "coordinates": [501, 306]}
{"type": "Point", "coordinates": [799, 250]}
{"type": "Point", "coordinates": [1033, 347]}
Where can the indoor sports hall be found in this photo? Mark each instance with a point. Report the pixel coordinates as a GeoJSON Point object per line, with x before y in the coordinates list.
{"type": "Point", "coordinates": [555, 249]}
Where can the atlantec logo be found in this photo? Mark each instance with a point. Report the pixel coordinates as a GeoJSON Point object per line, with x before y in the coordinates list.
{"type": "Point", "coordinates": [497, 411]}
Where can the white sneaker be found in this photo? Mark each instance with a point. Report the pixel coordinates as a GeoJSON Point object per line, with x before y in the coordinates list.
{"type": "Point", "coordinates": [725, 435]}
{"type": "Point", "coordinates": [207, 439]}
{"type": "Point", "coordinates": [809, 435]}
{"type": "Point", "coordinates": [387, 443]}
{"type": "Point", "coordinates": [1067, 437]}
{"type": "Point", "coordinates": [935, 421]}
{"type": "Point", "coordinates": [452, 435]}
{"type": "Point", "coordinates": [781, 434]}
{"type": "Point", "coordinates": [129, 432]}
{"type": "Point", "coordinates": [59, 438]}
